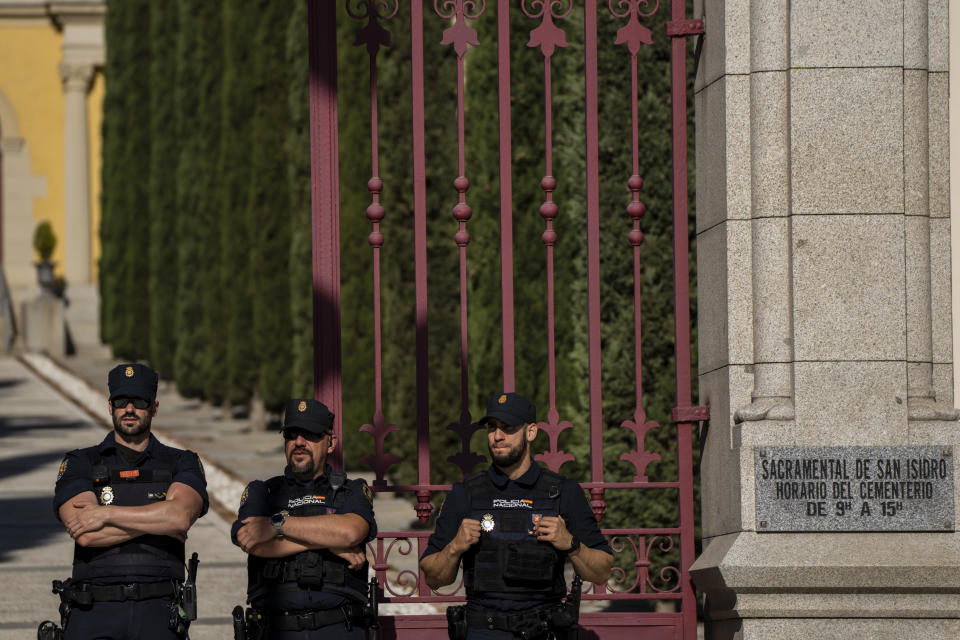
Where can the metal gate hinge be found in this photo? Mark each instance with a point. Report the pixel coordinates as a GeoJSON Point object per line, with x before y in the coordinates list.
{"type": "Point", "coordinates": [683, 28]}
{"type": "Point", "coordinates": [690, 414]}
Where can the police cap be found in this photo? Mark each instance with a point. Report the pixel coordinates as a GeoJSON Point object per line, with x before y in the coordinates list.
{"type": "Point", "coordinates": [132, 381]}
{"type": "Point", "coordinates": [511, 408]}
{"type": "Point", "coordinates": [309, 415]}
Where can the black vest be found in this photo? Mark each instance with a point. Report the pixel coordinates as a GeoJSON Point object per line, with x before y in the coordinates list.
{"type": "Point", "coordinates": [508, 562]}
{"type": "Point", "coordinates": [316, 569]}
{"type": "Point", "coordinates": [126, 485]}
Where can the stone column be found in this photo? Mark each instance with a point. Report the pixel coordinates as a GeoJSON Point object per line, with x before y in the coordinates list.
{"type": "Point", "coordinates": [76, 172]}
{"type": "Point", "coordinates": [824, 304]}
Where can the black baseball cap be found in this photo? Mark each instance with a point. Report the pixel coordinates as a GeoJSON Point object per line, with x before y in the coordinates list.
{"type": "Point", "coordinates": [309, 415]}
{"type": "Point", "coordinates": [511, 408]}
{"type": "Point", "coordinates": [132, 381]}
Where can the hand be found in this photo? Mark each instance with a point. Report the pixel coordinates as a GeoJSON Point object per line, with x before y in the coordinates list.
{"type": "Point", "coordinates": [355, 556]}
{"type": "Point", "coordinates": [85, 518]}
{"type": "Point", "coordinates": [553, 529]}
{"type": "Point", "coordinates": [255, 530]}
{"type": "Point", "coordinates": [467, 535]}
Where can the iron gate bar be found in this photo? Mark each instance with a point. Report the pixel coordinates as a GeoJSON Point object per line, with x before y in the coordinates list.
{"type": "Point", "coordinates": [325, 214]}
{"type": "Point", "coordinates": [461, 35]}
{"type": "Point", "coordinates": [374, 36]}
{"type": "Point", "coordinates": [548, 37]}
{"type": "Point", "coordinates": [423, 507]}
{"type": "Point", "coordinates": [506, 192]}
{"type": "Point", "coordinates": [677, 30]}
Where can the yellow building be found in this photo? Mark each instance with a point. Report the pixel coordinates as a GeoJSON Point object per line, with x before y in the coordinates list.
{"type": "Point", "coordinates": [51, 97]}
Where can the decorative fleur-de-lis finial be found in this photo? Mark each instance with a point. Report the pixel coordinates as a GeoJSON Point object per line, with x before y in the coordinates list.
{"type": "Point", "coordinates": [633, 34]}
{"type": "Point", "coordinates": [547, 36]}
{"type": "Point", "coordinates": [460, 35]}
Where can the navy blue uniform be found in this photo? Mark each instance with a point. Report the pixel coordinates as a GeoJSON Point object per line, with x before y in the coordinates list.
{"type": "Point", "coordinates": [280, 586]}
{"type": "Point", "coordinates": [510, 513]}
{"type": "Point", "coordinates": [118, 475]}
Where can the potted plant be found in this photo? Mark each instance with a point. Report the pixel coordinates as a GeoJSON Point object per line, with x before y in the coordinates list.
{"type": "Point", "coordinates": [44, 242]}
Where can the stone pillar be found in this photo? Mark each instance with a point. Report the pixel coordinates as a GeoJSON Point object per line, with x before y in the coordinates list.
{"type": "Point", "coordinates": [76, 172]}
{"type": "Point", "coordinates": [824, 302]}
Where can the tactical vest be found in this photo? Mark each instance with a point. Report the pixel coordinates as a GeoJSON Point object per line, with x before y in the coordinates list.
{"type": "Point", "coordinates": [316, 569]}
{"type": "Point", "coordinates": [126, 485]}
{"type": "Point", "coordinates": [508, 562]}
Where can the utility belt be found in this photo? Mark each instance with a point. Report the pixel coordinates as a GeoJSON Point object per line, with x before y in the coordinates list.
{"type": "Point", "coordinates": [84, 594]}
{"type": "Point", "coordinates": [256, 624]}
{"type": "Point", "coordinates": [539, 623]}
{"type": "Point", "coordinates": [182, 595]}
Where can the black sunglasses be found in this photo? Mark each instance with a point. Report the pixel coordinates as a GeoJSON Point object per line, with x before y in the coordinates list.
{"type": "Point", "coordinates": [138, 403]}
{"type": "Point", "coordinates": [309, 436]}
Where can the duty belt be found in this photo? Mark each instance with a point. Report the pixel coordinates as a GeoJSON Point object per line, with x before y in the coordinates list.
{"type": "Point", "coordinates": [84, 594]}
{"type": "Point", "coordinates": [306, 620]}
{"type": "Point", "coordinates": [509, 621]}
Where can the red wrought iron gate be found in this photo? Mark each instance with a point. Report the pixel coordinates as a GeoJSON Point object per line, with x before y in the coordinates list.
{"type": "Point", "coordinates": [546, 35]}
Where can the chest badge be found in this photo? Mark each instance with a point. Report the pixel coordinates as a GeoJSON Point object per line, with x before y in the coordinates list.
{"type": "Point", "coordinates": [487, 523]}
{"type": "Point", "coordinates": [106, 495]}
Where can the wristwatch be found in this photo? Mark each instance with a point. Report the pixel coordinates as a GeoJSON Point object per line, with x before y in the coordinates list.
{"type": "Point", "coordinates": [277, 521]}
{"type": "Point", "coordinates": [574, 544]}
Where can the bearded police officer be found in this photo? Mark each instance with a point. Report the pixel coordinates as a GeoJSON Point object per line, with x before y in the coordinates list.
{"type": "Point", "coordinates": [513, 526]}
{"type": "Point", "coordinates": [305, 532]}
{"type": "Point", "coordinates": [128, 504]}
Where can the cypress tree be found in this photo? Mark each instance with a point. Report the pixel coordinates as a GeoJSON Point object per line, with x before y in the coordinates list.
{"type": "Point", "coordinates": [209, 61]}
{"type": "Point", "coordinates": [112, 194]}
{"type": "Point", "coordinates": [132, 306]}
{"type": "Point", "coordinates": [164, 143]}
{"type": "Point", "coordinates": [192, 257]}
{"type": "Point", "coordinates": [268, 207]}
{"type": "Point", "coordinates": [239, 24]}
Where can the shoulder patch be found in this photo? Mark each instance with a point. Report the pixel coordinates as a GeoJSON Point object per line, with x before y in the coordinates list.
{"type": "Point", "coordinates": [63, 467]}
{"type": "Point", "coordinates": [367, 492]}
{"type": "Point", "coordinates": [203, 474]}
{"type": "Point", "coordinates": [243, 496]}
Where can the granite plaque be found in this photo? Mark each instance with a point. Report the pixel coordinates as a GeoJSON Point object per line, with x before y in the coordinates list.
{"type": "Point", "coordinates": [854, 488]}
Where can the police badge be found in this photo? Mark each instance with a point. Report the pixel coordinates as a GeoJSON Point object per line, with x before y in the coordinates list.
{"type": "Point", "coordinates": [106, 495]}
{"type": "Point", "coordinates": [487, 523]}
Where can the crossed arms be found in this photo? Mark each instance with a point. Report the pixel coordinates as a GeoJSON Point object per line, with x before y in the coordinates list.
{"type": "Point", "coordinates": [93, 525]}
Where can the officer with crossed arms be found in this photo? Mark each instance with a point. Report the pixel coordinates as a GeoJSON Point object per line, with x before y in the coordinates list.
{"type": "Point", "coordinates": [305, 533]}
{"type": "Point", "coordinates": [128, 504]}
{"type": "Point", "coordinates": [513, 527]}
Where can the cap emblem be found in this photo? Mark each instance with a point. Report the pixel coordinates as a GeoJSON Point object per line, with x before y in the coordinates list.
{"type": "Point", "coordinates": [502, 399]}
{"type": "Point", "coordinates": [302, 406]}
{"type": "Point", "coordinates": [128, 372]}
{"type": "Point", "coordinates": [487, 523]}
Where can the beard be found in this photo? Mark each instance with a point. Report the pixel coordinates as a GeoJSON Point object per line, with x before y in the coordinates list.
{"type": "Point", "coordinates": [304, 466]}
{"type": "Point", "coordinates": [142, 426]}
{"type": "Point", "coordinates": [511, 457]}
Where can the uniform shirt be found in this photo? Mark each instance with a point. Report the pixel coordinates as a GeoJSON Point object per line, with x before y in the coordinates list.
{"type": "Point", "coordinates": [257, 501]}
{"type": "Point", "coordinates": [574, 509]}
{"type": "Point", "coordinates": [76, 474]}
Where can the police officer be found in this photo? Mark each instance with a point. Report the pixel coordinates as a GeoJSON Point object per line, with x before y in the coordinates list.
{"type": "Point", "coordinates": [128, 504]}
{"type": "Point", "coordinates": [513, 526]}
{"type": "Point", "coordinates": [305, 532]}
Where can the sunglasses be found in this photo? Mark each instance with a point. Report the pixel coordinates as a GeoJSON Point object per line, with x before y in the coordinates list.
{"type": "Point", "coordinates": [309, 436]}
{"type": "Point", "coordinates": [138, 403]}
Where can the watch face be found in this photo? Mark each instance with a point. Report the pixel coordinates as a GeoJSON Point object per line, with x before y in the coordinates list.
{"type": "Point", "coordinates": [276, 518]}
